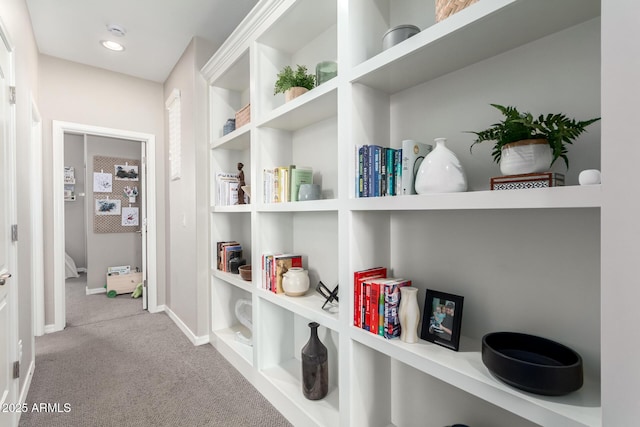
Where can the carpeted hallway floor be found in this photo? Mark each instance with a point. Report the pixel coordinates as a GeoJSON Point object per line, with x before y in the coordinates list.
{"type": "Point", "coordinates": [117, 365]}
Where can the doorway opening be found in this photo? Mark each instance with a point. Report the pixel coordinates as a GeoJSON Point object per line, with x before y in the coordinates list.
{"type": "Point", "coordinates": [147, 213]}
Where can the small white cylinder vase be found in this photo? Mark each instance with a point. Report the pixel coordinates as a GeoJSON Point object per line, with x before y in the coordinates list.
{"type": "Point", "coordinates": [441, 171]}
{"type": "Point", "coordinates": [409, 314]}
{"type": "Point", "coordinates": [295, 282]}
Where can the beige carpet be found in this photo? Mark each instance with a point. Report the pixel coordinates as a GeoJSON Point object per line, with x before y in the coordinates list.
{"type": "Point", "coordinates": [137, 370]}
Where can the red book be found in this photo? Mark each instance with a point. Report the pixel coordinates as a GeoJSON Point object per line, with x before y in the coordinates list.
{"type": "Point", "coordinates": [373, 307]}
{"type": "Point", "coordinates": [359, 277]}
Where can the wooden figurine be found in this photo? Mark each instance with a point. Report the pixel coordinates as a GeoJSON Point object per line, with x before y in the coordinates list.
{"type": "Point", "coordinates": [241, 184]}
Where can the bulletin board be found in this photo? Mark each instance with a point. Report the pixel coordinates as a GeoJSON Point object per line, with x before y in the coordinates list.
{"type": "Point", "coordinates": [114, 210]}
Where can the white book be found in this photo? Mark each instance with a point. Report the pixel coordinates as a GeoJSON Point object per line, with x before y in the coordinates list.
{"type": "Point", "coordinates": [413, 153]}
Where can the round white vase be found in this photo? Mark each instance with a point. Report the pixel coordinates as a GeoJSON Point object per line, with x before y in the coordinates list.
{"type": "Point", "coordinates": [295, 282]}
{"type": "Point", "coordinates": [409, 314]}
{"type": "Point", "coordinates": [440, 171]}
{"type": "Point", "coordinates": [527, 156]}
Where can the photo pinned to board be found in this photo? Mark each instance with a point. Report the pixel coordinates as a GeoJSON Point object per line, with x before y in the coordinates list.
{"type": "Point", "coordinates": [108, 207]}
{"type": "Point", "coordinates": [130, 217]}
{"type": "Point", "coordinates": [102, 182]}
{"type": "Point", "coordinates": [126, 172]}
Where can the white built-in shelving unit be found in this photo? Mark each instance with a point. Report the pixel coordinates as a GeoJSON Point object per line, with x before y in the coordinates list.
{"type": "Point", "coordinates": [526, 260]}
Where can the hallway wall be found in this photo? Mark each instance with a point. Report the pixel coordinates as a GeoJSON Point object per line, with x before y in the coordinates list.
{"type": "Point", "coordinates": [78, 93]}
{"type": "Point", "coordinates": [188, 269]}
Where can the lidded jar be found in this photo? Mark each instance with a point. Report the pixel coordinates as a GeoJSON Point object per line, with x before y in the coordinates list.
{"type": "Point", "coordinates": [295, 282]}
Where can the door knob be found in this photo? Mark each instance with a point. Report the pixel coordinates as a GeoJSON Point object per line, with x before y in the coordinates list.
{"type": "Point", "coordinates": [3, 278]}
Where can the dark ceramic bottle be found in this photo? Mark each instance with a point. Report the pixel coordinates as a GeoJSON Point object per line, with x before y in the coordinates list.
{"type": "Point", "coordinates": [315, 368]}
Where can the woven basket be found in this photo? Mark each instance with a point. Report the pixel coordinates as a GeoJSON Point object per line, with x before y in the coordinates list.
{"type": "Point", "coordinates": [446, 8]}
{"type": "Point", "coordinates": [243, 116]}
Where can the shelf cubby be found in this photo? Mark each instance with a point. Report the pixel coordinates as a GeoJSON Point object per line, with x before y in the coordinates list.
{"type": "Point", "coordinates": [469, 33]}
{"type": "Point", "coordinates": [228, 94]}
{"type": "Point", "coordinates": [224, 324]}
{"type": "Point", "coordinates": [230, 226]}
{"type": "Point", "coordinates": [225, 160]}
{"type": "Point", "coordinates": [305, 34]}
{"type": "Point", "coordinates": [283, 334]}
{"type": "Point", "coordinates": [405, 382]}
{"type": "Point", "coordinates": [314, 146]}
{"type": "Point", "coordinates": [454, 104]}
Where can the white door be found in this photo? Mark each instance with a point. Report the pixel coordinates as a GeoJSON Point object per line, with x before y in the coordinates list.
{"type": "Point", "coordinates": [8, 305]}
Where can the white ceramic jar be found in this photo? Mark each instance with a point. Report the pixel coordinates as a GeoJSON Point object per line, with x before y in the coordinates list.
{"type": "Point", "coordinates": [295, 282]}
{"type": "Point", "coordinates": [440, 171]}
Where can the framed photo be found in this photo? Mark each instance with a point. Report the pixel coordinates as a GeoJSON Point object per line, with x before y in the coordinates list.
{"type": "Point", "coordinates": [442, 319]}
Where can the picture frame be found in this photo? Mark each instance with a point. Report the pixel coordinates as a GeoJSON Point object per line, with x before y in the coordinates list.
{"type": "Point", "coordinates": [442, 319]}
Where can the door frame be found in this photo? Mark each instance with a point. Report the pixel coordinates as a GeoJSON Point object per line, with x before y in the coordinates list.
{"type": "Point", "coordinates": [59, 129]}
{"type": "Point", "coordinates": [37, 218]}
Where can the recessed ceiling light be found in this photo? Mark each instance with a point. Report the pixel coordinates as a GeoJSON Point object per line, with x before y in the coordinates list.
{"type": "Point", "coordinates": [116, 30]}
{"type": "Point", "coordinates": [112, 45]}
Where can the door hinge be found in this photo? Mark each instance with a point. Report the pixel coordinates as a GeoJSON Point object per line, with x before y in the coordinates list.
{"type": "Point", "coordinates": [16, 369]}
{"type": "Point", "coordinates": [14, 232]}
{"type": "Point", "coordinates": [12, 95]}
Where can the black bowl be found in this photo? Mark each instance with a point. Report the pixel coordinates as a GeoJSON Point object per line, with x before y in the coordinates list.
{"type": "Point", "coordinates": [532, 363]}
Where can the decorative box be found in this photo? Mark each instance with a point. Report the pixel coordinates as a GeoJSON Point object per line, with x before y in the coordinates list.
{"type": "Point", "coordinates": [527, 180]}
{"type": "Point", "coordinates": [243, 116]}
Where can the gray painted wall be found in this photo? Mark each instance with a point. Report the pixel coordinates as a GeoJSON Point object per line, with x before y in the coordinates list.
{"type": "Point", "coordinates": [75, 229]}
{"type": "Point", "coordinates": [78, 93]}
{"type": "Point", "coordinates": [109, 249]}
{"type": "Point", "coordinates": [188, 269]}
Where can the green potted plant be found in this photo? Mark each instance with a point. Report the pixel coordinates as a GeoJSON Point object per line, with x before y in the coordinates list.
{"type": "Point", "coordinates": [526, 144]}
{"type": "Point", "coordinates": [294, 84]}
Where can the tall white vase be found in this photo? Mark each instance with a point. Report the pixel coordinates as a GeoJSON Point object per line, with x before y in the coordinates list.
{"type": "Point", "coordinates": [409, 314]}
{"type": "Point", "coordinates": [441, 171]}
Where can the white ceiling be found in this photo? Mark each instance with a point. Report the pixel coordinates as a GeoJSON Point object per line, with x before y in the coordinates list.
{"type": "Point", "coordinates": [158, 31]}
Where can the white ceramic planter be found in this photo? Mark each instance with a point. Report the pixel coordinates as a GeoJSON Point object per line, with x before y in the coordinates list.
{"type": "Point", "coordinates": [527, 156]}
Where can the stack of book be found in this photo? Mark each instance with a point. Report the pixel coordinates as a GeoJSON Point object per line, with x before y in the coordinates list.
{"type": "Point", "coordinates": [379, 171]}
{"type": "Point", "coordinates": [383, 171]}
{"type": "Point", "coordinates": [281, 184]}
{"type": "Point", "coordinates": [274, 266]}
{"type": "Point", "coordinates": [225, 252]}
{"type": "Point", "coordinates": [376, 302]}
{"type": "Point", "coordinates": [227, 184]}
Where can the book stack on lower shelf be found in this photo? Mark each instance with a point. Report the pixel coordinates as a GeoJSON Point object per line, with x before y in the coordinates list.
{"type": "Point", "coordinates": [226, 252]}
{"type": "Point", "coordinates": [274, 266]}
{"type": "Point", "coordinates": [376, 302]}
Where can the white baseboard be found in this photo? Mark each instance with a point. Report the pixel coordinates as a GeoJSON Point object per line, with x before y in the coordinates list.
{"type": "Point", "coordinates": [50, 329]}
{"type": "Point", "coordinates": [195, 340]}
{"type": "Point", "coordinates": [27, 384]}
{"type": "Point", "coordinates": [159, 309]}
{"type": "Point", "coordinates": [95, 291]}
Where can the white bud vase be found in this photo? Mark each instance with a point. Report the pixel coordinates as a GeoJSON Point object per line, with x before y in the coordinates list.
{"type": "Point", "coordinates": [441, 171]}
{"type": "Point", "coordinates": [409, 314]}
